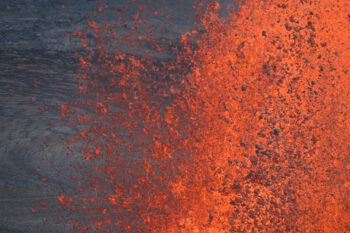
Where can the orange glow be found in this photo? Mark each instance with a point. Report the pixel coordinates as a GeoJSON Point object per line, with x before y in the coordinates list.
{"type": "Point", "coordinates": [252, 137]}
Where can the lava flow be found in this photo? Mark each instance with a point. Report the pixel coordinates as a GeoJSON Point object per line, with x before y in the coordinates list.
{"type": "Point", "coordinates": [244, 128]}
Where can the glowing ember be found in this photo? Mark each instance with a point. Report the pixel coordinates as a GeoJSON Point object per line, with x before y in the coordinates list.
{"type": "Point", "coordinates": [244, 130]}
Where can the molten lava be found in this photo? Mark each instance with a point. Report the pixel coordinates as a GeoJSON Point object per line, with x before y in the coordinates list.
{"type": "Point", "coordinates": [244, 129]}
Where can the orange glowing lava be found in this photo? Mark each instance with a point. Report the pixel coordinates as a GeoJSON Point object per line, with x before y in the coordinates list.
{"type": "Point", "coordinates": [246, 129]}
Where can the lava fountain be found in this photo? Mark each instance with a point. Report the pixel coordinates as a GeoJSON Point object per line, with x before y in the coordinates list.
{"type": "Point", "coordinates": [244, 128]}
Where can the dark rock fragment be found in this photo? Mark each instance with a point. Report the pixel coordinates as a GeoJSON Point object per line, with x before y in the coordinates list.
{"type": "Point", "coordinates": [275, 132]}
{"type": "Point", "coordinates": [314, 139]}
{"type": "Point", "coordinates": [261, 134]}
{"type": "Point", "coordinates": [288, 27]}
{"type": "Point", "coordinates": [310, 26]}
{"type": "Point", "coordinates": [253, 159]}
{"type": "Point", "coordinates": [241, 45]}
{"type": "Point", "coordinates": [236, 186]}
{"type": "Point", "coordinates": [251, 214]}
{"type": "Point", "coordinates": [267, 69]}
{"type": "Point", "coordinates": [211, 217]}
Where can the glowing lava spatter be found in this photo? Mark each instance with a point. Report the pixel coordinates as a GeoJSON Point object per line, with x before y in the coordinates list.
{"type": "Point", "coordinates": [252, 137]}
